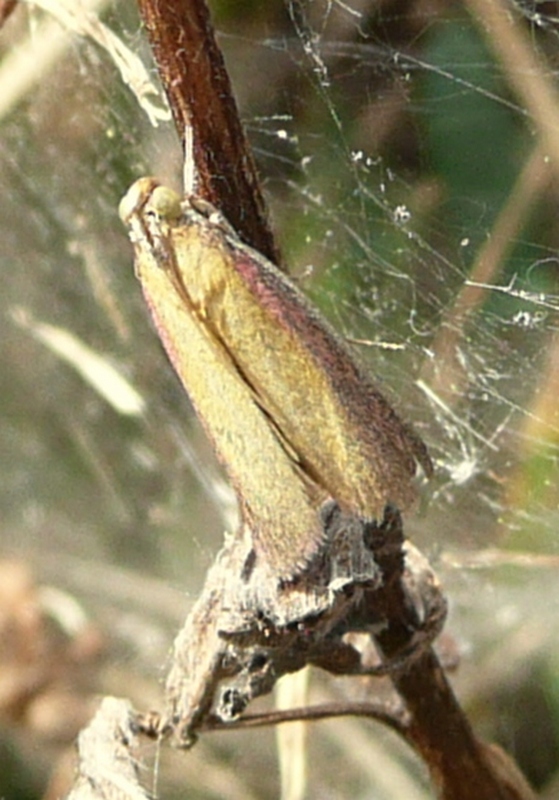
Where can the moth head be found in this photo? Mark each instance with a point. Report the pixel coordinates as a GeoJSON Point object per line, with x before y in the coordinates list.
{"type": "Point", "coordinates": [147, 197]}
{"type": "Point", "coordinates": [164, 203]}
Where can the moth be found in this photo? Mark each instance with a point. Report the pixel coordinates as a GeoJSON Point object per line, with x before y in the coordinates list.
{"type": "Point", "coordinates": [292, 416]}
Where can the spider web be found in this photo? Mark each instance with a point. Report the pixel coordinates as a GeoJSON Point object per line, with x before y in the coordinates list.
{"type": "Point", "coordinates": [411, 172]}
{"type": "Point", "coordinates": [410, 177]}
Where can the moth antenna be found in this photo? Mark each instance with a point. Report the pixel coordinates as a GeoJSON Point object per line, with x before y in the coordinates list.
{"type": "Point", "coordinates": [189, 169]}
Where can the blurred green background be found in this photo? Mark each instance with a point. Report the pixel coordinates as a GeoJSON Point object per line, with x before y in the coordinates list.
{"type": "Point", "coordinates": [401, 165]}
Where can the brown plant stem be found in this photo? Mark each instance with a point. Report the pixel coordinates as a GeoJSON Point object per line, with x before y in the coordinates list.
{"type": "Point", "coordinates": [6, 9]}
{"type": "Point", "coordinates": [194, 77]}
{"type": "Point", "coordinates": [437, 728]}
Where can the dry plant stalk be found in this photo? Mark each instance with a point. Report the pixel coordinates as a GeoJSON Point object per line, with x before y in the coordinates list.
{"type": "Point", "coordinates": [108, 764]}
{"type": "Point", "coordinates": [197, 85]}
